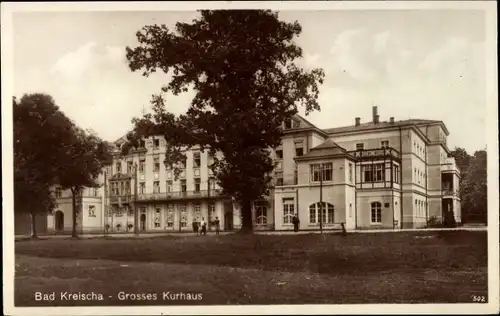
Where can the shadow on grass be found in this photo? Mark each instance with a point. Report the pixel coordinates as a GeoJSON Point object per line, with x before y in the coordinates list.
{"type": "Point", "coordinates": [326, 254]}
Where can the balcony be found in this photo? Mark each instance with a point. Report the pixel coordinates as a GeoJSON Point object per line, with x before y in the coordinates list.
{"type": "Point", "coordinates": [180, 195]}
{"type": "Point", "coordinates": [449, 193]}
{"type": "Point", "coordinates": [120, 199]}
{"type": "Point", "coordinates": [376, 154]}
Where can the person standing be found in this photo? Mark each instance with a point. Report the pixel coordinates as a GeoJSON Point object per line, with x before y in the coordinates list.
{"type": "Point", "coordinates": [195, 227]}
{"type": "Point", "coordinates": [217, 225]}
{"type": "Point", "coordinates": [296, 223]}
{"type": "Point", "coordinates": [203, 226]}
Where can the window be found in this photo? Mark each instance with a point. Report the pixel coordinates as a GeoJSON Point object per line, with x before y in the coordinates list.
{"type": "Point", "coordinates": [196, 160]}
{"type": "Point", "coordinates": [142, 143]}
{"type": "Point", "coordinates": [360, 146]}
{"type": "Point", "coordinates": [327, 212]}
{"type": "Point", "coordinates": [197, 184]}
{"type": "Point", "coordinates": [288, 211]}
{"type": "Point", "coordinates": [299, 148]}
{"type": "Point", "coordinates": [156, 143]}
{"type": "Point", "coordinates": [183, 215]}
{"type": "Point", "coordinates": [261, 214]}
{"type": "Point", "coordinates": [156, 164]}
{"type": "Point", "coordinates": [211, 211]}
{"type": "Point", "coordinates": [415, 172]}
{"type": "Point", "coordinates": [374, 173]}
{"type": "Point", "coordinates": [156, 187]}
{"type": "Point", "coordinates": [378, 172]}
{"type": "Point", "coordinates": [130, 166]}
{"type": "Point", "coordinates": [288, 124]}
{"type": "Point", "coordinates": [157, 217]}
{"type": "Point", "coordinates": [118, 167]}
{"type": "Point", "coordinates": [384, 144]}
{"type": "Point", "coordinates": [279, 154]}
{"type": "Point", "coordinates": [170, 216]}
{"type": "Point", "coordinates": [92, 211]}
{"type": "Point", "coordinates": [170, 186]}
{"type": "Point", "coordinates": [295, 176]}
{"type": "Point", "coordinates": [395, 175]}
{"type": "Point", "coordinates": [350, 172]}
{"type": "Point", "coordinates": [130, 211]}
{"type": "Point", "coordinates": [96, 192]}
{"type": "Point", "coordinates": [169, 174]}
{"type": "Point", "coordinates": [142, 187]}
{"type": "Point", "coordinates": [182, 164]}
{"type": "Point", "coordinates": [142, 165]}
{"type": "Point", "coordinates": [58, 192]}
{"type": "Point", "coordinates": [279, 178]}
{"type": "Point", "coordinates": [197, 212]}
{"type": "Point", "coordinates": [376, 215]}
{"type": "Point", "coordinates": [322, 172]}
{"type": "Point", "coordinates": [183, 186]}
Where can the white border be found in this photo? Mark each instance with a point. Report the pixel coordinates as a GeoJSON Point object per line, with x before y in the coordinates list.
{"type": "Point", "coordinates": [491, 137]}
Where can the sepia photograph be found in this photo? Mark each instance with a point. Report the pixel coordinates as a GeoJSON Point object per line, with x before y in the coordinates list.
{"type": "Point", "coordinates": [250, 158]}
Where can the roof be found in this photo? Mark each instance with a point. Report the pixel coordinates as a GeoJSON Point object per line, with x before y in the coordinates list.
{"type": "Point", "coordinates": [382, 125]}
{"type": "Point", "coordinates": [301, 124]}
{"type": "Point", "coordinates": [327, 148]}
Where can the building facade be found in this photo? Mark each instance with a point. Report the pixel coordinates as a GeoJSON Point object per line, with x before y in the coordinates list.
{"type": "Point", "coordinates": [376, 174]}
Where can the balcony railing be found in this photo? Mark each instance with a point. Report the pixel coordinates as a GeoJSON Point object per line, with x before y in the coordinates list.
{"type": "Point", "coordinates": [449, 192]}
{"type": "Point", "coordinates": [375, 153]}
{"type": "Point", "coordinates": [178, 195]}
{"type": "Point", "coordinates": [120, 199]}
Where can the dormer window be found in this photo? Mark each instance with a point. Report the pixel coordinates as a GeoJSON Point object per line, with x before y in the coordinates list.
{"type": "Point", "coordinates": [288, 124]}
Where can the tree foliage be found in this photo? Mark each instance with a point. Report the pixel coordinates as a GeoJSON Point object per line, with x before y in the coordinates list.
{"type": "Point", "coordinates": [49, 149]}
{"type": "Point", "coordinates": [473, 187]}
{"type": "Point", "coordinates": [85, 158]}
{"type": "Point", "coordinates": [240, 64]}
{"type": "Point", "coordinates": [40, 130]}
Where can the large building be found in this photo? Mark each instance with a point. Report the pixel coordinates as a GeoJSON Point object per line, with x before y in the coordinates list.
{"type": "Point", "coordinates": [375, 174]}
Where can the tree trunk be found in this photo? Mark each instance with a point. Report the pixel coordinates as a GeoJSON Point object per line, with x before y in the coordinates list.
{"type": "Point", "coordinates": [246, 217]}
{"type": "Point", "coordinates": [33, 225]}
{"type": "Point", "coordinates": [73, 200]}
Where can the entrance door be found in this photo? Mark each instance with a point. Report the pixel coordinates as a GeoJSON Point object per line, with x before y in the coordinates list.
{"type": "Point", "coordinates": [59, 221]}
{"type": "Point", "coordinates": [143, 222]}
{"type": "Point", "coordinates": [228, 215]}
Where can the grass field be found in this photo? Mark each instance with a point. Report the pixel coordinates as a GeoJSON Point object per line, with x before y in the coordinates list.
{"type": "Point", "coordinates": [417, 267]}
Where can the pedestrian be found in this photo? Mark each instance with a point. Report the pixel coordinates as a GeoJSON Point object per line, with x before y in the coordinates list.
{"type": "Point", "coordinates": [203, 226]}
{"type": "Point", "coordinates": [217, 225]}
{"type": "Point", "coordinates": [296, 223]}
{"type": "Point", "coordinates": [195, 227]}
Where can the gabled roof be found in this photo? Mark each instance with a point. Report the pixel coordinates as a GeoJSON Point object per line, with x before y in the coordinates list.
{"type": "Point", "coordinates": [326, 149]}
{"type": "Point", "coordinates": [301, 124]}
{"type": "Point", "coordinates": [382, 125]}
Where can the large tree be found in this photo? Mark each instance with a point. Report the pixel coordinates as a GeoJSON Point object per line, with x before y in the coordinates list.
{"type": "Point", "coordinates": [241, 66]}
{"type": "Point", "coordinates": [40, 132]}
{"type": "Point", "coordinates": [85, 159]}
{"type": "Point", "coordinates": [474, 193]}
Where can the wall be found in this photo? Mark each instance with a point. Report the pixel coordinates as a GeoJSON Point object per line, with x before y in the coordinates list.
{"type": "Point", "coordinates": [387, 198]}
{"type": "Point", "coordinates": [371, 139]}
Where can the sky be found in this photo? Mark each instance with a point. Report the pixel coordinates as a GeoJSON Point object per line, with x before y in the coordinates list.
{"type": "Point", "coordinates": [410, 63]}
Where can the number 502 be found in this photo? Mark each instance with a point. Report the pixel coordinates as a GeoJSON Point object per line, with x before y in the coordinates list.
{"type": "Point", "coordinates": [478, 299]}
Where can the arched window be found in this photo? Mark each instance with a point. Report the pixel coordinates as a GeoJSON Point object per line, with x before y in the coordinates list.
{"type": "Point", "coordinates": [376, 214]}
{"type": "Point", "coordinates": [328, 211]}
{"type": "Point", "coordinates": [261, 214]}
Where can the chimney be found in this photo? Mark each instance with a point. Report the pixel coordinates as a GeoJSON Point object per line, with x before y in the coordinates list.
{"type": "Point", "coordinates": [391, 119]}
{"type": "Point", "coordinates": [375, 115]}
{"type": "Point", "coordinates": [358, 121]}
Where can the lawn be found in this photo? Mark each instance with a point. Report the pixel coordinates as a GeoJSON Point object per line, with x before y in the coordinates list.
{"type": "Point", "coordinates": [416, 267]}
